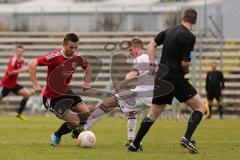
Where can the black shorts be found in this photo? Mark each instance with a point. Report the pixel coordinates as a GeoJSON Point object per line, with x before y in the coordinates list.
{"type": "Point", "coordinates": [5, 91]}
{"type": "Point", "coordinates": [214, 94]}
{"type": "Point", "coordinates": [60, 106]}
{"type": "Point", "coordinates": [172, 85]}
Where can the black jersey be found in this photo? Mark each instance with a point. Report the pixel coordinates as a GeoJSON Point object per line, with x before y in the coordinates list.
{"type": "Point", "coordinates": [178, 43]}
{"type": "Point", "coordinates": [214, 81]}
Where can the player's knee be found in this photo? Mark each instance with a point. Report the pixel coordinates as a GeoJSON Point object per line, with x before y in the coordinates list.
{"type": "Point", "coordinates": [28, 94]}
{"type": "Point", "coordinates": [110, 102]}
{"type": "Point", "coordinates": [198, 105]}
{"type": "Point", "coordinates": [83, 117]}
{"type": "Point", "coordinates": [200, 108]}
{"type": "Point", "coordinates": [153, 115]}
{"type": "Point", "coordinates": [132, 115]}
{"type": "Point", "coordinates": [155, 111]}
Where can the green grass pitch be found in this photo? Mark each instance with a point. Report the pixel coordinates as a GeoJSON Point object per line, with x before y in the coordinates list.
{"type": "Point", "coordinates": [29, 140]}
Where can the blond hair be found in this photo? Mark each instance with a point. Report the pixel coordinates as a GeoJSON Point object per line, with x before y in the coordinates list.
{"type": "Point", "coordinates": [136, 42]}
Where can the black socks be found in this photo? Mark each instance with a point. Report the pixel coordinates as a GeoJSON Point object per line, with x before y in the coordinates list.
{"type": "Point", "coordinates": [22, 105]}
{"type": "Point", "coordinates": [64, 129]}
{"type": "Point", "coordinates": [144, 127]}
{"type": "Point", "coordinates": [193, 122]}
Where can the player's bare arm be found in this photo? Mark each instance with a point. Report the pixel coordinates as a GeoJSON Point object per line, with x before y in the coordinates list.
{"type": "Point", "coordinates": [87, 78]}
{"type": "Point", "coordinates": [128, 78]}
{"type": "Point", "coordinates": [14, 72]}
{"type": "Point", "coordinates": [33, 77]}
{"type": "Point", "coordinates": [151, 54]}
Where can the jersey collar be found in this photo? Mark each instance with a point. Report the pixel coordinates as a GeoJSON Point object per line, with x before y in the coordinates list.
{"type": "Point", "coordinates": [15, 57]}
{"type": "Point", "coordinates": [138, 55]}
{"type": "Point", "coordinates": [65, 55]}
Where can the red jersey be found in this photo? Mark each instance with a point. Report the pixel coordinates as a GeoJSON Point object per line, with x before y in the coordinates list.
{"type": "Point", "coordinates": [60, 71]}
{"type": "Point", "coordinates": [10, 81]}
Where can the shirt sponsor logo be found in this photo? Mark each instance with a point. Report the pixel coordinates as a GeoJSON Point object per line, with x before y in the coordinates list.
{"type": "Point", "coordinates": [74, 65]}
{"type": "Point", "coordinates": [67, 73]}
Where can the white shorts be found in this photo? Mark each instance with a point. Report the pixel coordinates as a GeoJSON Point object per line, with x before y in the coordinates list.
{"type": "Point", "coordinates": [130, 101]}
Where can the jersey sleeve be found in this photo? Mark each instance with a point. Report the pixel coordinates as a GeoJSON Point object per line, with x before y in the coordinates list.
{"type": "Point", "coordinates": [141, 65]}
{"type": "Point", "coordinates": [188, 43]}
{"type": "Point", "coordinates": [160, 38]}
{"type": "Point", "coordinates": [11, 64]}
{"type": "Point", "coordinates": [137, 67]}
{"type": "Point", "coordinates": [82, 62]}
{"type": "Point", "coordinates": [45, 61]}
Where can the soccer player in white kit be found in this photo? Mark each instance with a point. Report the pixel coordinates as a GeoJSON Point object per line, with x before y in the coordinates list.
{"type": "Point", "coordinates": [132, 100]}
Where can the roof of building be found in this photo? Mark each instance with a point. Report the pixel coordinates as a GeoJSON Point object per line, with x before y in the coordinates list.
{"type": "Point", "coordinates": [60, 6]}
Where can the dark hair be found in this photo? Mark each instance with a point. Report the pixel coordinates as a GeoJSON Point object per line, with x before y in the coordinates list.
{"type": "Point", "coordinates": [190, 15]}
{"type": "Point", "coordinates": [19, 46]}
{"type": "Point", "coordinates": [71, 37]}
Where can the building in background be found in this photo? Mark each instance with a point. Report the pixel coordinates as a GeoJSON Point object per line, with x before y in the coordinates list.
{"type": "Point", "coordinates": [115, 15]}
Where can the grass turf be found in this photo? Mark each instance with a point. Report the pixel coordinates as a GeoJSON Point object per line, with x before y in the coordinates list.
{"type": "Point", "coordinates": [28, 140]}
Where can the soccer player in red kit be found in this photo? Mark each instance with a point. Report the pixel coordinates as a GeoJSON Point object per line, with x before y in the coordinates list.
{"type": "Point", "coordinates": [9, 81]}
{"type": "Point", "coordinates": [57, 95]}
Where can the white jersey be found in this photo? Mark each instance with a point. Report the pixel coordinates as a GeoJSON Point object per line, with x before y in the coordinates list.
{"type": "Point", "coordinates": [145, 81]}
{"type": "Point", "coordinates": [140, 97]}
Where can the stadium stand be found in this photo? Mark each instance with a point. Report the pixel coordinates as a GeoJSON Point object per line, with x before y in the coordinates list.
{"type": "Point", "coordinates": [92, 44]}
{"type": "Point", "coordinates": [11, 1]}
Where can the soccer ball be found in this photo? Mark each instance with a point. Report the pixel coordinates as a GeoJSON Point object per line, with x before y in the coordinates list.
{"type": "Point", "coordinates": [86, 139]}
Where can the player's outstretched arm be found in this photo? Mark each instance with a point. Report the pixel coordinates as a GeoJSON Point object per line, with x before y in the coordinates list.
{"type": "Point", "coordinates": [14, 72]}
{"type": "Point", "coordinates": [87, 78]}
{"type": "Point", "coordinates": [33, 76]}
{"type": "Point", "coordinates": [129, 77]}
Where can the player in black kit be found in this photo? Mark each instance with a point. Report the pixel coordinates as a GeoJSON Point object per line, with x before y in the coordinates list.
{"type": "Point", "coordinates": [214, 87]}
{"type": "Point", "coordinates": [178, 43]}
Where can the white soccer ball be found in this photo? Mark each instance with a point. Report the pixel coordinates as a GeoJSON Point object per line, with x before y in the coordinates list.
{"type": "Point", "coordinates": [86, 139]}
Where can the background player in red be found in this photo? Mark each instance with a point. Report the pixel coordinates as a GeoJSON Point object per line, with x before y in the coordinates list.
{"type": "Point", "coordinates": [9, 81]}
{"type": "Point", "coordinates": [57, 95]}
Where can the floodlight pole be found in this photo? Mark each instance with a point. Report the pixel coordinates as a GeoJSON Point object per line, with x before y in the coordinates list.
{"type": "Point", "coordinates": [194, 70]}
{"type": "Point", "coordinates": [221, 39]}
{"type": "Point", "coordinates": [200, 61]}
{"type": "Point", "coordinates": [205, 17]}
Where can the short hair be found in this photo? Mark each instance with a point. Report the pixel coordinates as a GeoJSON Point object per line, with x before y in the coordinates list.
{"type": "Point", "coordinates": [19, 46]}
{"type": "Point", "coordinates": [190, 15]}
{"type": "Point", "coordinates": [71, 37]}
{"type": "Point", "coordinates": [214, 62]}
{"type": "Point", "coordinates": [136, 42]}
